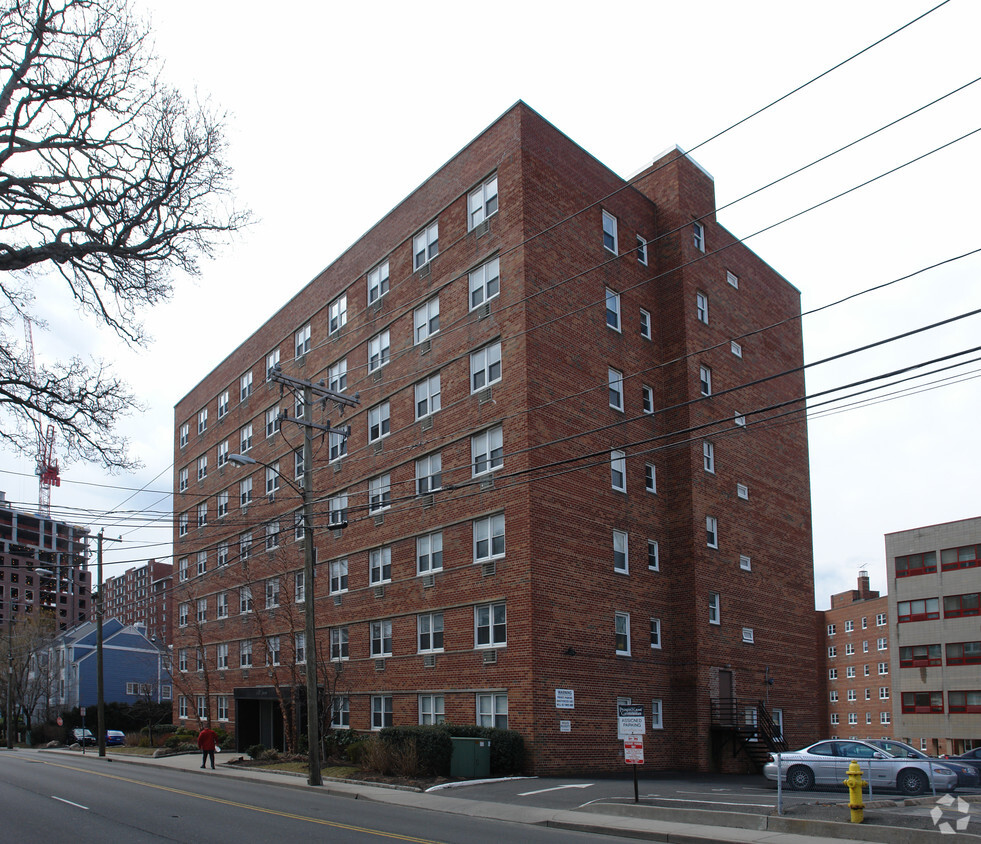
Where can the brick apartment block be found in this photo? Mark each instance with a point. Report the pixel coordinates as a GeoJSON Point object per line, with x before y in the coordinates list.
{"type": "Point", "coordinates": [142, 595]}
{"type": "Point", "coordinates": [616, 539]}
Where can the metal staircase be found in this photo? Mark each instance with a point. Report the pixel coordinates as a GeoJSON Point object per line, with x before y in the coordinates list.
{"type": "Point", "coordinates": [749, 727]}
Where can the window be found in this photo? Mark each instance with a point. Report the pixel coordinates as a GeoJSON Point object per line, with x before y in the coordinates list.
{"type": "Point", "coordinates": [867, 672]}
{"type": "Point", "coordinates": [299, 647]}
{"type": "Point", "coordinates": [708, 456]}
{"type": "Point", "coordinates": [337, 314]}
{"type": "Point", "coordinates": [429, 553]}
{"type": "Point", "coordinates": [965, 557]}
{"type": "Point", "coordinates": [656, 633]}
{"type": "Point", "coordinates": [735, 348]}
{"type": "Point", "coordinates": [272, 478]}
{"type": "Point", "coordinates": [202, 467]}
{"type": "Point", "coordinates": [620, 552]}
{"type": "Point", "coordinates": [339, 644]}
{"type": "Point", "coordinates": [698, 236]}
{"type": "Point", "coordinates": [958, 653]}
{"type": "Point", "coordinates": [914, 564]}
{"type": "Point", "coordinates": [425, 245]}
{"type": "Point", "coordinates": [482, 203]}
{"type": "Point", "coordinates": [853, 718]}
{"type": "Point", "coordinates": [883, 693]}
{"type": "Point", "coordinates": [849, 650]}
{"type": "Point", "coordinates": [487, 451]}
{"type": "Point", "coordinates": [222, 404]}
{"type": "Point", "coordinates": [880, 619]}
{"type": "Point", "coordinates": [882, 644]}
{"type": "Point", "coordinates": [650, 477]}
{"type": "Point", "coordinates": [299, 587]}
{"type": "Point", "coordinates": [340, 712]}
{"type": "Point", "coordinates": [961, 606]}
{"type": "Point", "coordinates": [865, 622]}
{"type": "Point", "coordinates": [202, 562]}
{"type": "Point", "coordinates": [742, 491]}
{"type": "Point", "coordinates": [832, 652]}
{"type": "Point", "coordinates": [622, 628]}
{"type": "Point", "coordinates": [272, 363]}
{"type": "Point", "coordinates": [732, 279]}
{"type": "Point", "coordinates": [485, 282]}
{"type": "Point", "coordinates": [182, 480]}
{"type": "Point", "coordinates": [919, 610]}
{"type": "Point", "coordinates": [431, 709]}
{"type": "Point", "coordinates": [222, 605]}
{"type": "Point", "coordinates": [222, 502]}
{"type": "Point", "coordinates": [492, 710]}
{"type": "Point", "coordinates": [745, 563]}
{"type": "Point", "coordinates": [430, 630]}
{"type": "Point", "coordinates": [337, 377]}
{"type": "Point", "coordinates": [184, 434]}
{"type": "Point", "coordinates": [338, 576]}
{"type": "Point", "coordinates": [850, 672]}
{"type": "Point", "coordinates": [245, 491]}
{"type": "Point", "coordinates": [832, 673]}
{"type": "Point", "coordinates": [653, 559]}
{"type": "Point", "coordinates": [221, 655]}
{"type": "Point", "coordinates": [748, 635]}
{"type": "Point", "coordinates": [202, 420]}
{"type": "Point", "coordinates": [379, 493]}
{"type": "Point", "coordinates": [245, 545]}
{"type": "Point", "coordinates": [490, 623]}
{"type": "Point", "coordinates": [381, 711]}
{"type": "Point", "coordinates": [834, 718]}
{"type": "Point", "coordinates": [272, 593]}
{"type": "Point", "coordinates": [379, 423]}
{"type": "Point", "coordinates": [852, 696]}
{"type": "Point", "coordinates": [739, 420]}
{"type": "Point", "coordinates": [485, 367]}
{"type": "Point", "coordinates": [609, 232]}
{"type": "Point", "coordinates": [381, 638]}
{"type": "Point", "coordinates": [245, 599]}
{"type": "Point", "coordinates": [849, 626]}
{"type": "Point", "coordinates": [715, 609]}
{"type": "Point", "coordinates": [298, 463]}
{"type": "Point", "coordinates": [272, 535]}
{"type": "Point", "coordinates": [183, 613]}
{"type": "Point", "coordinates": [202, 515]}
{"type": "Point", "coordinates": [427, 396]}
{"type": "Point", "coordinates": [429, 473]}
{"type": "Point", "coordinates": [612, 309]}
{"type": "Point", "coordinates": [272, 421]}
{"type": "Point", "coordinates": [245, 386]}
{"type": "Point", "coordinates": [618, 470]}
{"type": "Point", "coordinates": [834, 696]}
{"type": "Point", "coordinates": [380, 566]}
{"type": "Point", "coordinates": [705, 380]}
{"type": "Point", "coordinates": [379, 350]}
{"type": "Point", "coordinates": [969, 701]}
{"type": "Point", "coordinates": [865, 646]}
{"type": "Point", "coordinates": [426, 320]}
{"type": "Point", "coordinates": [615, 380]}
{"type": "Point", "coordinates": [338, 447]}
{"type": "Point", "coordinates": [702, 307]}
{"type": "Point", "coordinates": [378, 282]}
{"type": "Point", "coordinates": [245, 441]}
{"type": "Point", "coordinates": [222, 453]}
{"type": "Point", "coordinates": [302, 338]}
{"type": "Point", "coordinates": [922, 702]}
{"type": "Point", "coordinates": [831, 630]}
{"type": "Point", "coordinates": [885, 717]}
{"type": "Point", "coordinates": [711, 532]}
{"type": "Point", "coordinates": [488, 538]}
{"type": "Point", "coordinates": [245, 653]}
{"type": "Point", "coordinates": [645, 324]}
{"type": "Point", "coordinates": [337, 509]}
{"type": "Point", "coordinates": [272, 650]}
{"type": "Point", "coordinates": [642, 250]}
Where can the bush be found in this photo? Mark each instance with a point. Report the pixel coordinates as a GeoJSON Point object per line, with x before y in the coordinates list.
{"type": "Point", "coordinates": [256, 750]}
{"type": "Point", "coordinates": [376, 756]}
{"type": "Point", "coordinates": [336, 742]}
{"type": "Point", "coordinates": [271, 755]}
{"type": "Point", "coordinates": [429, 747]}
{"type": "Point", "coordinates": [507, 749]}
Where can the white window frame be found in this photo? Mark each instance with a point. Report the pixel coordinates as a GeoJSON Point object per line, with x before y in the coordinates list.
{"type": "Point", "coordinates": [704, 380]}
{"type": "Point", "coordinates": [610, 233]}
{"type": "Point", "coordinates": [337, 314]}
{"type": "Point", "coordinates": [702, 307]}
{"type": "Point", "coordinates": [489, 540]}
{"type": "Point", "coordinates": [337, 376]}
{"type": "Point", "coordinates": [708, 456]}
{"type": "Point", "coordinates": [615, 382]}
{"type": "Point", "coordinates": [656, 634]}
{"type": "Point", "coordinates": [222, 504]}
{"type": "Point", "coordinates": [645, 324]}
{"type": "Point", "coordinates": [245, 438]}
{"type": "Point", "coordinates": [272, 478]}
{"type": "Point", "coordinates": [379, 422]}
{"type": "Point", "coordinates": [340, 644]}
{"type": "Point", "coordinates": [712, 532]}
{"type": "Point", "coordinates": [715, 608]}
{"type": "Point", "coordinates": [642, 250]}
{"type": "Point", "coordinates": [381, 712]}
{"type": "Point", "coordinates": [272, 421]}
{"type": "Point", "coordinates": [338, 576]}
{"type": "Point", "coordinates": [486, 367]}
{"type": "Point", "coordinates": [245, 492]}
{"type": "Point", "coordinates": [621, 629]}
{"type": "Point", "coordinates": [425, 245]}
{"type": "Point", "coordinates": [650, 478]}
{"type": "Point", "coordinates": [613, 310]}
{"type": "Point", "coordinates": [426, 320]}
{"type": "Point", "coordinates": [429, 626]}
{"type": "Point", "coordinates": [202, 420]}
{"type": "Point", "coordinates": [489, 709]}
{"type": "Point", "coordinates": [272, 361]}
{"type": "Point", "coordinates": [185, 434]}
{"type": "Point", "coordinates": [340, 712]}
{"type": "Point", "coordinates": [380, 493]}
{"type": "Point", "coordinates": [381, 638]}
{"type": "Point", "coordinates": [621, 552]}
{"type": "Point", "coordinates": [485, 282]}
{"type": "Point", "coordinates": [337, 509]}
{"type": "Point", "coordinates": [245, 653]}
{"type": "Point", "coordinates": [647, 399]}
{"type": "Point", "coordinates": [202, 467]}
{"type": "Point", "coordinates": [272, 593]}
{"type": "Point", "coordinates": [429, 473]}
{"type": "Point", "coordinates": [379, 350]}
{"type": "Point", "coordinates": [427, 396]}
{"type": "Point", "coordinates": [657, 714]}
{"type": "Point", "coordinates": [698, 236]}
{"type": "Point", "coordinates": [380, 566]}
{"type": "Point", "coordinates": [182, 477]}
{"type": "Point", "coordinates": [300, 648]}
{"type": "Point", "coordinates": [429, 553]}
{"type": "Point", "coordinates": [488, 627]}
{"type": "Point", "coordinates": [221, 606]}
{"type": "Point", "coordinates": [222, 404]}
{"type": "Point", "coordinates": [653, 554]}
{"type": "Point", "coordinates": [245, 386]}
{"type": "Point", "coordinates": [302, 341]}
{"type": "Point", "coordinates": [482, 202]}
{"type": "Point", "coordinates": [432, 709]}
{"type": "Point", "coordinates": [378, 281]}
{"type": "Point", "coordinates": [618, 470]}
{"type": "Point", "coordinates": [487, 451]}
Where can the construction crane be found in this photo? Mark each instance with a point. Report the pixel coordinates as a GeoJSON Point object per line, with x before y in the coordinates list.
{"type": "Point", "coordinates": [47, 466]}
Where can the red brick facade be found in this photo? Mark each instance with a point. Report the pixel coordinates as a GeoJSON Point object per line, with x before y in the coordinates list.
{"type": "Point", "coordinates": [142, 595]}
{"type": "Point", "coordinates": [717, 307]}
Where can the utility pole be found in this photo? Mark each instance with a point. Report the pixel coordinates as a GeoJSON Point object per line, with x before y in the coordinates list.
{"type": "Point", "coordinates": [308, 389]}
{"type": "Point", "coordinates": [99, 673]}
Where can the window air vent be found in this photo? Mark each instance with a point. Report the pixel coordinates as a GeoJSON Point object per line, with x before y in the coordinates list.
{"type": "Point", "coordinates": [337, 600]}
{"type": "Point", "coordinates": [426, 423]}
{"type": "Point", "coordinates": [379, 521]}
{"type": "Point", "coordinates": [429, 661]}
{"type": "Point", "coordinates": [490, 657]}
{"type": "Point", "coordinates": [425, 346]}
{"type": "Point", "coordinates": [487, 483]}
{"type": "Point", "coordinates": [489, 569]}
{"type": "Point", "coordinates": [428, 581]}
{"type": "Point", "coordinates": [379, 665]}
{"type": "Point", "coordinates": [379, 591]}
{"type": "Point", "coordinates": [482, 228]}
{"type": "Point", "coordinates": [483, 311]}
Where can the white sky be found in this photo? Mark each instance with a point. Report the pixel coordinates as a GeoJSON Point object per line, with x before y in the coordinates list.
{"type": "Point", "coordinates": [337, 111]}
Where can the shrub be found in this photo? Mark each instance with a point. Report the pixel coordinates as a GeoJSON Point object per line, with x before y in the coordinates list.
{"type": "Point", "coordinates": [355, 751]}
{"type": "Point", "coordinates": [376, 756]}
{"type": "Point", "coordinates": [271, 755]}
{"type": "Point", "coordinates": [429, 746]}
{"type": "Point", "coordinates": [256, 750]}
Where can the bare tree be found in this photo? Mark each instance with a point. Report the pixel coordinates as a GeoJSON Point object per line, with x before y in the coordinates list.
{"type": "Point", "coordinates": [29, 642]}
{"type": "Point", "coordinates": [108, 179]}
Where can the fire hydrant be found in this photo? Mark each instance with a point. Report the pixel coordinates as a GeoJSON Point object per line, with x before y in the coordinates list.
{"type": "Point", "coordinates": [855, 782]}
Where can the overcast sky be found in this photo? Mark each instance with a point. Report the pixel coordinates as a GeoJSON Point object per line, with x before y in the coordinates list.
{"type": "Point", "coordinates": [337, 111]}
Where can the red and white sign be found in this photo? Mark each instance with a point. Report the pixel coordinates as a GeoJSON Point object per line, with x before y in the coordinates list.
{"type": "Point", "coordinates": [633, 750]}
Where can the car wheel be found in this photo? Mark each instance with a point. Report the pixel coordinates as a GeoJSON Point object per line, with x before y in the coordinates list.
{"type": "Point", "coordinates": [912, 782]}
{"type": "Point", "coordinates": [800, 778]}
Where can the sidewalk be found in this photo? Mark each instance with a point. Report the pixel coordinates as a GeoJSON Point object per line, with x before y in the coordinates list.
{"type": "Point", "coordinates": [628, 820]}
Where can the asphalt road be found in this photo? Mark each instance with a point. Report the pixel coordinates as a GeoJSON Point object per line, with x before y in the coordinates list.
{"type": "Point", "coordinates": [86, 801]}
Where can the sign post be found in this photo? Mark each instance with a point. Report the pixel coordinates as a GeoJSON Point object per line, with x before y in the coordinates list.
{"type": "Point", "coordinates": [631, 728]}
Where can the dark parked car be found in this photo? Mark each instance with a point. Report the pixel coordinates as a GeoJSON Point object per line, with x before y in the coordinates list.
{"type": "Point", "coordinates": [972, 758]}
{"type": "Point", "coordinates": [83, 736]}
{"type": "Point", "coordinates": [967, 776]}
{"type": "Point", "coordinates": [115, 738]}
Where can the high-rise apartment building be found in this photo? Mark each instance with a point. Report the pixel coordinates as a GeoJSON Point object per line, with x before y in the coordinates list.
{"type": "Point", "coordinates": [856, 658]}
{"type": "Point", "coordinates": [934, 576]}
{"type": "Point", "coordinates": [576, 475]}
{"type": "Point", "coordinates": [142, 595]}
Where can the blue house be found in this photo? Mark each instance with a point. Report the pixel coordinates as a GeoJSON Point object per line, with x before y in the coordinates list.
{"type": "Point", "coordinates": [134, 667]}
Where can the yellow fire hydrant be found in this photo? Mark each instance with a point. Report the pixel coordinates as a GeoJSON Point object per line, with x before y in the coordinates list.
{"type": "Point", "coordinates": [855, 782]}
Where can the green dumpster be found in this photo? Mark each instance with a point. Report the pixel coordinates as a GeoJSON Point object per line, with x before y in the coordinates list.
{"type": "Point", "coordinates": [471, 757]}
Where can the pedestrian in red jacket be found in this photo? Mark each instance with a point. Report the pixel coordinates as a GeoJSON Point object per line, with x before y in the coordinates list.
{"type": "Point", "coordinates": [206, 741]}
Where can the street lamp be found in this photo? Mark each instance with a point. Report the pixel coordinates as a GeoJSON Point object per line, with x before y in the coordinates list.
{"type": "Point", "coordinates": [305, 492]}
{"type": "Point", "coordinates": [10, 656]}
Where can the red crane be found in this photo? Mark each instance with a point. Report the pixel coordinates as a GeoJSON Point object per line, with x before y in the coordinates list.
{"type": "Point", "coordinates": [47, 466]}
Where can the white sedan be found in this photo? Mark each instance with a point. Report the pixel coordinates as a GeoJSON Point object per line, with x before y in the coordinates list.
{"type": "Point", "coordinates": [826, 763]}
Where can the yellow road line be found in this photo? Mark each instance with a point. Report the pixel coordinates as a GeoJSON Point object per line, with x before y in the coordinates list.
{"type": "Point", "coordinates": [334, 824]}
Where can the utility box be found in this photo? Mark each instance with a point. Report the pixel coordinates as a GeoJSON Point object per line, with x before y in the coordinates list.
{"type": "Point", "coordinates": [471, 757]}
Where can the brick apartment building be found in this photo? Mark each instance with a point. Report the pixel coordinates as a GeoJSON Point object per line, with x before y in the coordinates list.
{"type": "Point", "coordinates": [29, 541]}
{"type": "Point", "coordinates": [142, 595]}
{"type": "Point", "coordinates": [572, 477]}
{"type": "Point", "coordinates": [934, 576]}
{"type": "Point", "coordinates": [856, 657]}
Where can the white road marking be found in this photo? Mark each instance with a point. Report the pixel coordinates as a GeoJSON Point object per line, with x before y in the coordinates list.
{"type": "Point", "coordinates": [556, 788]}
{"type": "Point", "coordinates": [69, 802]}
